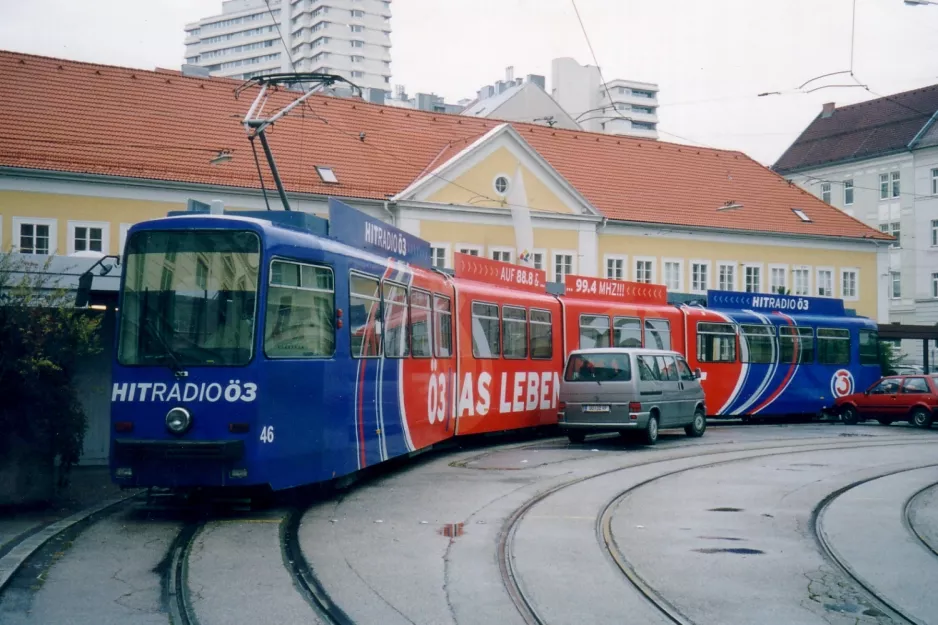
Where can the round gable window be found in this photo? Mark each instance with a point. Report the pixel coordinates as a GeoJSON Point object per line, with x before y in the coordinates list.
{"type": "Point", "coordinates": [501, 185]}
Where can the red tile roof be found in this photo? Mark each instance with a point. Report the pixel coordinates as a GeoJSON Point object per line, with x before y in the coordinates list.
{"type": "Point", "coordinates": [865, 130]}
{"type": "Point", "coordinates": [93, 119]}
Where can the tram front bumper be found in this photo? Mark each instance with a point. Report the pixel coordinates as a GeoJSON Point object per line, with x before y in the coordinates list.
{"type": "Point", "coordinates": [137, 449]}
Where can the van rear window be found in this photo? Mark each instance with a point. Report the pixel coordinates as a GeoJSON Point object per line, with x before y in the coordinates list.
{"type": "Point", "coordinates": [598, 368]}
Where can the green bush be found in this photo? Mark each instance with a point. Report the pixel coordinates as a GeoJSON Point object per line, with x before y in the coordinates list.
{"type": "Point", "coordinates": [889, 357]}
{"type": "Point", "coordinates": [43, 340]}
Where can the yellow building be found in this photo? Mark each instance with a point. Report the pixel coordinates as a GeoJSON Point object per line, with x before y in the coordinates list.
{"type": "Point", "coordinates": [119, 146]}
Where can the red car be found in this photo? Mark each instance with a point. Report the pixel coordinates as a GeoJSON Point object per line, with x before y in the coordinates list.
{"type": "Point", "coordinates": [912, 398]}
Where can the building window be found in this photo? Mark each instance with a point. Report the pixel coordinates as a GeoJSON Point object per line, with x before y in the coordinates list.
{"type": "Point", "coordinates": [90, 236]}
{"type": "Point", "coordinates": [357, 13]}
{"type": "Point", "coordinates": [644, 270]}
{"type": "Point", "coordinates": [699, 277]}
{"type": "Point", "coordinates": [777, 278]}
{"type": "Point", "coordinates": [355, 43]}
{"type": "Point", "coordinates": [934, 285]}
{"type": "Point", "coordinates": [355, 28]}
{"type": "Point", "coordinates": [753, 279]}
{"type": "Point", "coordinates": [357, 59]}
{"type": "Point", "coordinates": [537, 260]}
{"type": "Point", "coordinates": [826, 192]}
{"type": "Point", "coordinates": [934, 182]}
{"type": "Point", "coordinates": [934, 232]}
{"type": "Point", "coordinates": [563, 266]}
{"type": "Point", "coordinates": [895, 184]}
{"type": "Point", "coordinates": [501, 255]}
{"type": "Point", "coordinates": [358, 74]}
{"type": "Point", "coordinates": [896, 290]}
{"type": "Point", "coordinates": [848, 284]}
{"type": "Point", "coordinates": [501, 185]}
{"type": "Point", "coordinates": [438, 256]}
{"type": "Point", "coordinates": [727, 276]}
{"type": "Point", "coordinates": [672, 275]}
{"type": "Point", "coordinates": [884, 186]}
{"type": "Point", "coordinates": [825, 282]}
{"type": "Point", "coordinates": [34, 236]}
{"type": "Point", "coordinates": [615, 268]}
{"type": "Point", "coordinates": [801, 281]}
{"type": "Point", "coordinates": [848, 192]}
{"type": "Point", "coordinates": [893, 229]}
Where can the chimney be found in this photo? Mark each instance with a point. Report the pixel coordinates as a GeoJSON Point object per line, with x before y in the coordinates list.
{"type": "Point", "coordinates": [510, 73]}
{"type": "Point", "coordinates": [827, 110]}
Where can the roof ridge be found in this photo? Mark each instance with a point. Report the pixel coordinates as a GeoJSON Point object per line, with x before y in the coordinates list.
{"type": "Point", "coordinates": [885, 98]}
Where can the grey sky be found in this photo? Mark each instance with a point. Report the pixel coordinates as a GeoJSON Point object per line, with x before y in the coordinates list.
{"type": "Point", "coordinates": [710, 57]}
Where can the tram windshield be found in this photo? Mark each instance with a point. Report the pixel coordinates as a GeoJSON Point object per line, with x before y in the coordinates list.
{"type": "Point", "coordinates": [189, 298]}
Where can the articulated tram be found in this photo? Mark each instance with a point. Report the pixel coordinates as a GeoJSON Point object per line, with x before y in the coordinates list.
{"type": "Point", "coordinates": [276, 349]}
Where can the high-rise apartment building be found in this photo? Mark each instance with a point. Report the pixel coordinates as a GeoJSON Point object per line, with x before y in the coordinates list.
{"type": "Point", "coordinates": [351, 38]}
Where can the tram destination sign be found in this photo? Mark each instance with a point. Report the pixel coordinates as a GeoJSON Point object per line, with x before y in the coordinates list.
{"type": "Point", "coordinates": [794, 304]}
{"type": "Point", "coordinates": [615, 290]}
{"type": "Point", "coordinates": [517, 277]}
{"type": "Point", "coordinates": [355, 228]}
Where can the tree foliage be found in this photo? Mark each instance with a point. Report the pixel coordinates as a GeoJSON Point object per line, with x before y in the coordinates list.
{"type": "Point", "coordinates": [889, 357]}
{"type": "Point", "coordinates": [44, 339]}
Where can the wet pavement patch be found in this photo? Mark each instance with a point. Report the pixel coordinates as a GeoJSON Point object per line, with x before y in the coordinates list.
{"type": "Point", "coordinates": [451, 530]}
{"type": "Point", "coordinates": [742, 551]}
{"type": "Point", "coordinates": [725, 510]}
{"type": "Point", "coordinates": [721, 538]}
{"type": "Point", "coordinates": [852, 608]}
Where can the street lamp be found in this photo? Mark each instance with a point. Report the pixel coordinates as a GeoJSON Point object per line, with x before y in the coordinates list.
{"type": "Point", "coordinates": [913, 3]}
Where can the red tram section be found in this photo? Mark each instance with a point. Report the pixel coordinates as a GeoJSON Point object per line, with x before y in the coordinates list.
{"type": "Point", "coordinates": [509, 342]}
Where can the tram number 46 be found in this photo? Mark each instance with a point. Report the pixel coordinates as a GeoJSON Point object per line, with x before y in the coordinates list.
{"type": "Point", "coordinates": [267, 434]}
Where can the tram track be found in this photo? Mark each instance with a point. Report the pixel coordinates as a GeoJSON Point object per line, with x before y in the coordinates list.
{"type": "Point", "coordinates": [511, 579]}
{"type": "Point", "coordinates": [304, 578]}
{"type": "Point", "coordinates": [175, 576]}
{"type": "Point", "coordinates": [910, 524]}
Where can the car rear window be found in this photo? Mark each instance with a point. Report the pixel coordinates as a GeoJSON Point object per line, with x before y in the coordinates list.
{"type": "Point", "coordinates": [599, 368]}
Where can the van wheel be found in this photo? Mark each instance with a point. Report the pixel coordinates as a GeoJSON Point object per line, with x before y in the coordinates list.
{"type": "Point", "coordinates": [651, 431]}
{"type": "Point", "coordinates": [920, 418]}
{"type": "Point", "coordinates": [576, 437]}
{"type": "Point", "coordinates": [698, 426]}
{"type": "Point", "coordinates": [885, 421]}
{"type": "Point", "coordinates": [849, 415]}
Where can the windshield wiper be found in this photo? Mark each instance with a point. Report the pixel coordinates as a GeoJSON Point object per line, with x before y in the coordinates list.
{"type": "Point", "coordinates": [174, 364]}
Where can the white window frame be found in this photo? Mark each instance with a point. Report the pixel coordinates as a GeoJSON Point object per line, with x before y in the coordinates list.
{"type": "Point", "coordinates": [507, 190]}
{"type": "Point", "coordinates": [893, 276]}
{"type": "Point", "coordinates": [856, 279]}
{"type": "Point", "coordinates": [553, 263]}
{"type": "Point", "coordinates": [470, 246]}
{"type": "Point", "coordinates": [38, 221]}
{"type": "Point", "coordinates": [680, 272]}
{"type": "Point", "coordinates": [123, 236]}
{"type": "Point", "coordinates": [761, 276]}
{"type": "Point", "coordinates": [727, 263]}
{"type": "Point", "coordinates": [447, 258]}
{"type": "Point", "coordinates": [708, 283]}
{"type": "Point", "coordinates": [784, 268]}
{"type": "Point", "coordinates": [894, 178]}
{"type": "Point", "coordinates": [826, 190]}
{"type": "Point", "coordinates": [105, 234]}
{"type": "Point", "coordinates": [934, 285]}
{"type": "Point", "coordinates": [501, 249]}
{"type": "Point", "coordinates": [806, 268]}
{"type": "Point", "coordinates": [638, 259]}
{"type": "Point", "coordinates": [625, 265]}
{"type": "Point", "coordinates": [884, 180]}
{"type": "Point", "coordinates": [544, 258]}
{"type": "Point", "coordinates": [934, 233]}
{"type": "Point", "coordinates": [817, 280]}
{"type": "Point", "coordinates": [853, 192]}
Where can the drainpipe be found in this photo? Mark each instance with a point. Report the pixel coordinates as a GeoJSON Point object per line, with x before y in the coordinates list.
{"type": "Point", "coordinates": [387, 209]}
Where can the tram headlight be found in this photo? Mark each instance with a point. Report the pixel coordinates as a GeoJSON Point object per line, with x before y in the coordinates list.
{"type": "Point", "coordinates": [178, 420]}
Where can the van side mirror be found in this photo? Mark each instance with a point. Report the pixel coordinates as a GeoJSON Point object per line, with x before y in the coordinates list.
{"type": "Point", "coordinates": [697, 373]}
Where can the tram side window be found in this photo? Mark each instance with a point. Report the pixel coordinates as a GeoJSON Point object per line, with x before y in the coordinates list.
{"type": "Point", "coordinates": [594, 331]}
{"type": "Point", "coordinates": [485, 328]}
{"type": "Point", "coordinates": [716, 342]}
{"type": "Point", "coordinates": [626, 332]}
{"type": "Point", "coordinates": [443, 322]}
{"type": "Point", "coordinates": [869, 347]}
{"type": "Point", "coordinates": [833, 346]}
{"type": "Point", "coordinates": [760, 343]}
{"type": "Point", "coordinates": [795, 344]}
{"type": "Point", "coordinates": [300, 311]}
{"type": "Point", "coordinates": [420, 324]}
{"type": "Point", "coordinates": [396, 344]}
{"type": "Point", "coordinates": [365, 316]}
{"type": "Point", "coordinates": [542, 346]}
{"type": "Point", "coordinates": [657, 334]}
{"type": "Point", "coordinates": [514, 332]}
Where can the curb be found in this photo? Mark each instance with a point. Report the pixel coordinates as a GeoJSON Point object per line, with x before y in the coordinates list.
{"type": "Point", "coordinates": [12, 561]}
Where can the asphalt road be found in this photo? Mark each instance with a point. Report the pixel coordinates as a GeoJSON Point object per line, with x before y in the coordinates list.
{"type": "Point", "coordinates": [788, 524]}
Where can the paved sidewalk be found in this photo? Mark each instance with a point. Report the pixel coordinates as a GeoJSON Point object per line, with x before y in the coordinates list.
{"type": "Point", "coordinates": [87, 486]}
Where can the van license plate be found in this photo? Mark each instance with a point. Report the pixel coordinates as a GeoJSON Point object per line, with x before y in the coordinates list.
{"type": "Point", "coordinates": [595, 408]}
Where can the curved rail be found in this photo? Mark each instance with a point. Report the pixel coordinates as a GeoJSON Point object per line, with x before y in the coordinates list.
{"type": "Point", "coordinates": [302, 573]}
{"type": "Point", "coordinates": [176, 576]}
{"type": "Point", "coordinates": [604, 531]}
{"type": "Point", "coordinates": [907, 517]}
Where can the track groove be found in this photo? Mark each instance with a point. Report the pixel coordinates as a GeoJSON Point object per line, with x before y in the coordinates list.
{"type": "Point", "coordinates": [604, 532]}
{"type": "Point", "coordinates": [907, 518]}
{"type": "Point", "coordinates": [177, 576]}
